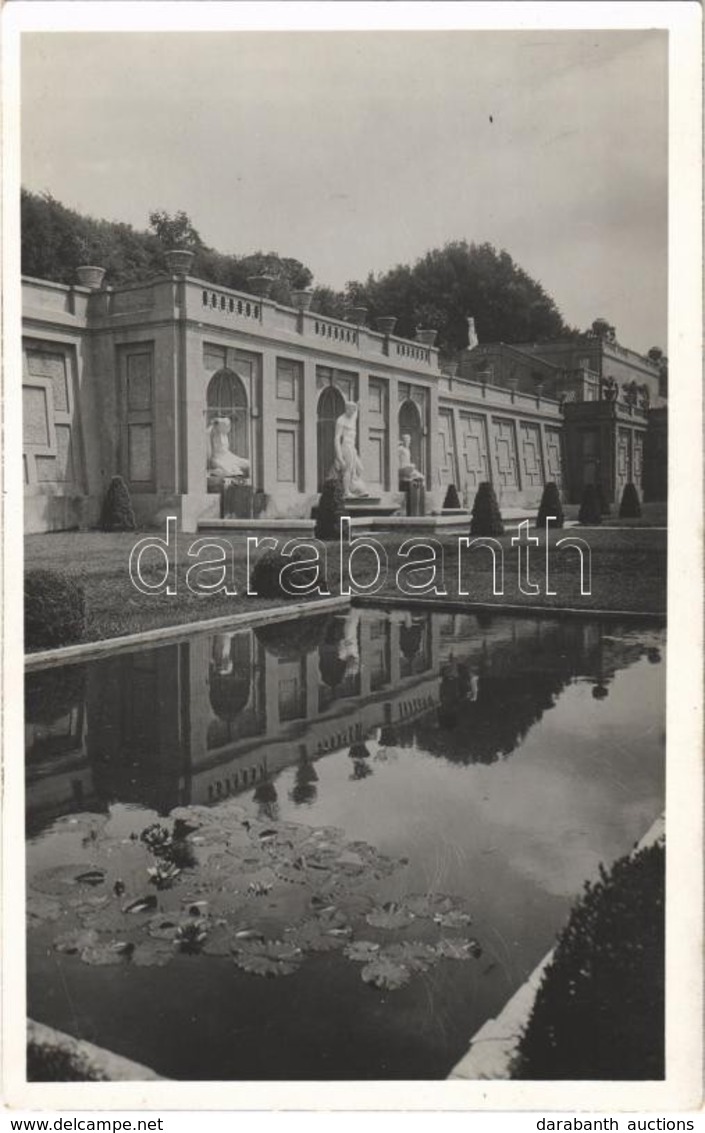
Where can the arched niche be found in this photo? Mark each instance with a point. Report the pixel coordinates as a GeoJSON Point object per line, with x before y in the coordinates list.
{"type": "Point", "coordinates": [227, 397]}
{"type": "Point", "coordinates": [331, 404]}
{"type": "Point", "coordinates": [410, 424]}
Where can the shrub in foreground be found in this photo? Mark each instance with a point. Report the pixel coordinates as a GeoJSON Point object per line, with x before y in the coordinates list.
{"type": "Point", "coordinates": [265, 576]}
{"type": "Point", "coordinates": [54, 609]}
{"type": "Point", "coordinates": [590, 510]}
{"type": "Point", "coordinates": [630, 507]}
{"type": "Point", "coordinates": [550, 506]}
{"type": "Point", "coordinates": [117, 513]}
{"type": "Point", "coordinates": [486, 518]}
{"type": "Point", "coordinates": [599, 1012]}
{"type": "Point", "coordinates": [331, 506]}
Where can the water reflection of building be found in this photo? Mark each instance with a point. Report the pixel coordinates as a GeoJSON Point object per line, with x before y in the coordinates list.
{"type": "Point", "coordinates": [209, 717]}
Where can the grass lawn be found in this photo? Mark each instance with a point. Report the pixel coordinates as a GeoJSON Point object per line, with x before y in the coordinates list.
{"type": "Point", "coordinates": [628, 573]}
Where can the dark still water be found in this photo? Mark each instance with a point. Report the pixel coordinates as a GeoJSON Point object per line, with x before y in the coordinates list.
{"type": "Point", "coordinates": [329, 848]}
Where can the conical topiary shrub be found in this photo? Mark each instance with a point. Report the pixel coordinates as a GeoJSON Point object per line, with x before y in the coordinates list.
{"type": "Point", "coordinates": [54, 610]}
{"type": "Point", "coordinates": [117, 513]}
{"type": "Point", "coordinates": [590, 511]}
{"type": "Point", "coordinates": [486, 518]}
{"type": "Point", "coordinates": [630, 507]}
{"type": "Point", "coordinates": [331, 507]}
{"type": "Point", "coordinates": [550, 506]}
{"type": "Point", "coordinates": [452, 499]}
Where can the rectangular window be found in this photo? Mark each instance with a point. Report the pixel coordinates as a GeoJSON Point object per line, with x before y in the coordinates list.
{"type": "Point", "coordinates": [376, 452]}
{"type": "Point", "coordinates": [286, 456]}
{"type": "Point", "coordinates": [288, 374]}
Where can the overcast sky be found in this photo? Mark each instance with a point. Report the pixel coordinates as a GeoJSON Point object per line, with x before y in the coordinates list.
{"type": "Point", "coordinates": [355, 151]}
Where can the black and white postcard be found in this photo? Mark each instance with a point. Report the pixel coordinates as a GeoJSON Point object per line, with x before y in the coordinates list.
{"type": "Point", "coordinates": [352, 560]}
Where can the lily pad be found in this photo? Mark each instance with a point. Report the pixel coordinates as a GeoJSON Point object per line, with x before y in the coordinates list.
{"type": "Point", "coordinates": [458, 949]}
{"type": "Point", "coordinates": [74, 942]}
{"type": "Point", "coordinates": [429, 904]}
{"type": "Point", "coordinates": [412, 954]}
{"type": "Point", "coordinates": [386, 974]}
{"type": "Point", "coordinates": [141, 904]}
{"type": "Point", "coordinates": [59, 879]}
{"type": "Point", "coordinates": [390, 916]}
{"type": "Point", "coordinates": [454, 918]}
{"type": "Point", "coordinates": [103, 955]}
{"type": "Point", "coordinates": [267, 958]}
{"type": "Point", "coordinates": [152, 953]}
{"type": "Point", "coordinates": [362, 951]}
{"type": "Point", "coordinates": [42, 908]}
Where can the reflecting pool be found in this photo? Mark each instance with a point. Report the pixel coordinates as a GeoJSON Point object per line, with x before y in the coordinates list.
{"type": "Point", "coordinates": [329, 848]}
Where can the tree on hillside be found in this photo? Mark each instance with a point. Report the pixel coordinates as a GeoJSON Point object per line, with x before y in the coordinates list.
{"type": "Point", "coordinates": [448, 284]}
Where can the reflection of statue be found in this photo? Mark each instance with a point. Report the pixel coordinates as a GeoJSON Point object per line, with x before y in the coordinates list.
{"type": "Point", "coordinates": [407, 468]}
{"type": "Point", "coordinates": [222, 462]}
{"type": "Point", "coordinates": [222, 660]}
{"type": "Point", "coordinates": [348, 647]}
{"type": "Point", "coordinates": [610, 389]}
{"type": "Point", "coordinates": [347, 460]}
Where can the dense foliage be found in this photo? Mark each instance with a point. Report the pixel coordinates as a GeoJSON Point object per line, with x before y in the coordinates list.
{"type": "Point", "coordinates": [599, 1012]}
{"type": "Point", "coordinates": [630, 507]}
{"type": "Point", "coordinates": [54, 610]}
{"type": "Point", "coordinates": [550, 506]}
{"type": "Point", "coordinates": [449, 284]}
{"type": "Point", "coordinates": [439, 291]}
{"type": "Point", "coordinates": [486, 518]}
{"type": "Point", "coordinates": [56, 239]}
{"type": "Point", "coordinates": [117, 513]}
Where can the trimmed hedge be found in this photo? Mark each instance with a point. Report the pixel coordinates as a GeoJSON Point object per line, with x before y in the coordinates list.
{"type": "Point", "coordinates": [54, 609]}
{"type": "Point", "coordinates": [550, 505]}
{"type": "Point", "coordinates": [630, 507]}
{"type": "Point", "coordinates": [452, 499]}
{"type": "Point", "coordinates": [117, 513]}
{"type": "Point", "coordinates": [590, 510]}
{"type": "Point", "coordinates": [605, 506]}
{"type": "Point", "coordinates": [486, 518]}
{"type": "Point", "coordinates": [264, 576]}
{"type": "Point", "coordinates": [599, 1012]}
{"type": "Point", "coordinates": [331, 506]}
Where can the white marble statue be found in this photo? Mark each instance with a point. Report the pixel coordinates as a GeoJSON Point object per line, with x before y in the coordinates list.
{"type": "Point", "coordinates": [223, 463]}
{"type": "Point", "coordinates": [407, 468]}
{"type": "Point", "coordinates": [347, 460]}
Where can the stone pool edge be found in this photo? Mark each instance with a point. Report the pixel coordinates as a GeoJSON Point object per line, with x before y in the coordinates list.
{"type": "Point", "coordinates": [494, 1047]}
{"type": "Point", "coordinates": [95, 1062]}
{"type": "Point", "coordinates": [85, 650]}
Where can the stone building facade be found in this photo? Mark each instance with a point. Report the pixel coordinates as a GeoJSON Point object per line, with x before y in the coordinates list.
{"type": "Point", "coordinates": [128, 380]}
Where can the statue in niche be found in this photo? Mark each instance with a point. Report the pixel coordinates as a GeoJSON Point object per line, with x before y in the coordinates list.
{"type": "Point", "coordinates": [407, 468]}
{"type": "Point", "coordinates": [223, 463]}
{"type": "Point", "coordinates": [347, 463]}
{"type": "Point", "coordinates": [610, 389]}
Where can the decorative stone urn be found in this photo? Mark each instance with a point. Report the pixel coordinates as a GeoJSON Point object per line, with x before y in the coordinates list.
{"type": "Point", "coordinates": [358, 315]}
{"type": "Point", "coordinates": [89, 275]}
{"type": "Point", "coordinates": [260, 285]}
{"type": "Point", "coordinates": [178, 260]}
{"type": "Point", "coordinates": [426, 337]}
{"type": "Point", "coordinates": [386, 324]}
{"type": "Point", "coordinates": [450, 369]}
{"type": "Point", "coordinates": [302, 299]}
